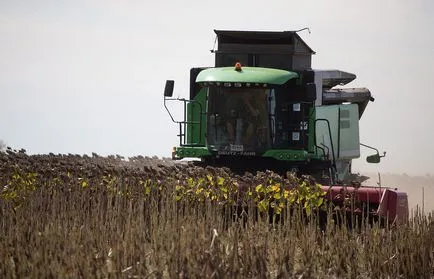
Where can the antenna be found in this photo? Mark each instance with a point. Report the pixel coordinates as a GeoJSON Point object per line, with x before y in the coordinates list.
{"type": "Point", "coordinates": [379, 179]}
{"type": "Point", "coordinates": [213, 47]}
{"type": "Point", "coordinates": [302, 29]}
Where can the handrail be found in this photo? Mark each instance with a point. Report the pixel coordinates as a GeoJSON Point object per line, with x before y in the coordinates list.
{"type": "Point", "coordinates": [182, 124]}
{"type": "Point", "coordinates": [373, 148]}
{"type": "Point", "coordinates": [330, 138]}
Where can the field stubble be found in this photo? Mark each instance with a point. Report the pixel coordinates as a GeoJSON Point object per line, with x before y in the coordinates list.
{"type": "Point", "coordinates": [93, 217]}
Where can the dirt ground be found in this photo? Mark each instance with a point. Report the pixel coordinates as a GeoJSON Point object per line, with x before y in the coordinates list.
{"type": "Point", "coordinates": [420, 189]}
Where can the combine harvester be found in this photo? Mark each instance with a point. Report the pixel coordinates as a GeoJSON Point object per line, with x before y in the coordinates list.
{"type": "Point", "coordinates": [263, 107]}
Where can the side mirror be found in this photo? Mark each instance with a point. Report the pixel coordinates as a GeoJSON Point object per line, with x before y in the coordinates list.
{"type": "Point", "coordinates": [311, 92]}
{"type": "Point", "coordinates": [168, 89]}
{"type": "Point", "coordinates": [375, 159]}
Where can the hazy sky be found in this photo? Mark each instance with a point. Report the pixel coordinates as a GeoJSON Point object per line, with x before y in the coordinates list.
{"type": "Point", "coordinates": [88, 76]}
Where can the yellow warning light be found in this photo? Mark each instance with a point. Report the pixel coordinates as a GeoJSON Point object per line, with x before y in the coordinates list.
{"type": "Point", "coordinates": [238, 67]}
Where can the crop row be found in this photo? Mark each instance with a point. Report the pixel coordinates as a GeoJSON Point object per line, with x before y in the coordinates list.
{"type": "Point", "coordinates": [80, 217]}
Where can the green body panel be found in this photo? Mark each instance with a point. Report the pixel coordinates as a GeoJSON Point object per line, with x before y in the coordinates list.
{"type": "Point", "coordinates": [196, 119]}
{"type": "Point", "coordinates": [191, 152]}
{"type": "Point", "coordinates": [288, 154]}
{"type": "Point", "coordinates": [344, 128]}
{"type": "Point", "coordinates": [278, 154]}
{"type": "Point", "coordinates": [349, 141]}
{"type": "Point", "coordinates": [311, 131]}
{"type": "Point", "coordinates": [246, 75]}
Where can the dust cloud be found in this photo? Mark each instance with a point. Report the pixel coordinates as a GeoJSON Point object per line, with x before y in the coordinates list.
{"type": "Point", "coordinates": [420, 189]}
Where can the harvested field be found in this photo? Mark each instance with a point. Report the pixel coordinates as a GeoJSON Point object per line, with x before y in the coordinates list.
{"type": "Point", "coordinates": [69, 216]}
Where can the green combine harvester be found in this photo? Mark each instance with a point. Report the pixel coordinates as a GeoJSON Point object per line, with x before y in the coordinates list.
{"type": "Point", "coordinates": [262, 106]}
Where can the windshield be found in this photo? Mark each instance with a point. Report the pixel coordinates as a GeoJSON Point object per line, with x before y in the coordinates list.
{"type": "Point", "coordinates": [239, 120]}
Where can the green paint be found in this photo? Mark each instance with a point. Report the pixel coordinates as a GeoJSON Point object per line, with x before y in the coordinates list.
{"type": "Point", "coordinates": [287, 154]}
{"type": "Point", "coordinates": [191, 152]}
{"type": "Point", "coordinates": [311, 131]}
{"type": "Point", "coordinates": [195, 114]}
{"type": "Point", "coordinates": [247, 74]}
{"type": "Point", "coordinates": [278, 154]}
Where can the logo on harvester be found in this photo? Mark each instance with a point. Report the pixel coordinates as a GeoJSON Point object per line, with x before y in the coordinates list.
{"type": "Point", "coordinates": [235, 150]}
{"type": "Point", "coordinates": [235, 153]}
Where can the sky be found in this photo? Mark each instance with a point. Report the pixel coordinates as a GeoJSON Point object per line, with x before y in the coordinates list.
{"type": "Point", "coordinates": [88, 76]}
